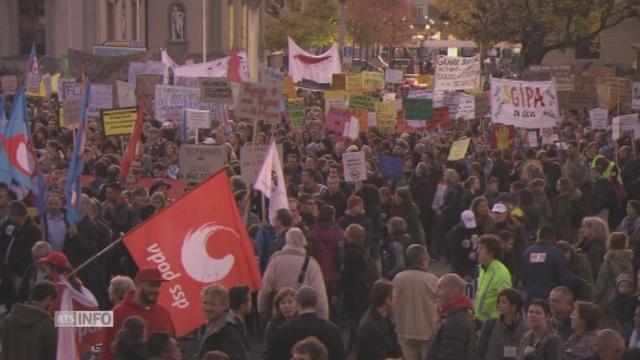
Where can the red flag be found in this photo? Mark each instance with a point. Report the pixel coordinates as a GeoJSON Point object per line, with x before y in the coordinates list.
{"type": "Point", "coordinates": [233, 71]}
{"type": "Point", "coordinates": [134, 142]}
{"type": "Point", "coordinates": [197, 241]}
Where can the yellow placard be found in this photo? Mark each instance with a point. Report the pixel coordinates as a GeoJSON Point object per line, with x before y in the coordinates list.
{"type": "Point", "coordinates": [119, 121]}
{"type": "Point", "coordinates": [425, 79]}
{"type": "Point", "coordinates": [459, 149]}
{"type": "Point", "coordinates": [353, 83]}
{"type": "Point", "coordinates": [387, 114]}
{"type": "Point", "coordinates": [288, 87]}
{"type": "Point", "coordinates": [372, 80]}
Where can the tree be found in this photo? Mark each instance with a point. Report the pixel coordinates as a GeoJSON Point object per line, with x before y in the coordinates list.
{"type": "Point", "coordinates": [379, 21]}
{"type": "Point", "coordinates": [540, 26]}
{"type": "Point", "coordinates": [314, 27]}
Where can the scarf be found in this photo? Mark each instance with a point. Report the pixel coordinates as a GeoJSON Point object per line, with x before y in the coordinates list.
{"type": "Point", "coordinates": [459, 302]}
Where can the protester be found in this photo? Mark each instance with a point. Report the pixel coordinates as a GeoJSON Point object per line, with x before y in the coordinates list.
{"type": "Point", "coordinates": [129, 342]}
{"type": "Point", "coordinates": [493, 278]}
{"type": "Point", "coordinates": [579, 266]}
{"type": "Point", "coordinates": [25, 234]}
{"type": "Point", "coordinates": [500, 337]}
{"type": "Point", "coordinates": [595, 234]}
{"type": "Point", "coordinates": [309, 349]}
{"type": "Point", "coordinates": [585, 321]}
{"type": "Point", "coordinates": [28, 332]}
{"type": "Point", "coordinates": [119, 286]}
{"type": "Point", "coordinates": [35, 272]}
{"type": "Point", "coordinates": [561, 304]}
{"type": "Point", "coordinates": [393, 260]}
{"type": "Point", "coordinates": [540, 342]}
{"type": "Point", "coordinates": [284, 310]}
{"type": "Point", "coordinates": [609, 345]}
{"type": "Point", "coordinates": [463, 244]}
{"type": "Point", "coordinates": [617, 261]}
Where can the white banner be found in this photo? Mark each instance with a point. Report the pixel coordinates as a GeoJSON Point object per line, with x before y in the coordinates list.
{"type": "Point", "coordinates": [216, 68]}
{"type": "Point", "coordinates": [457, 73]}
{"type": "Point", "coordinates": [318, 68]}
{"type": "Point", "coordinates": [598, 118]}
{"type": "Point", "coordinates": [524, 104]}
{"type": "Point", "coordinates": [171, 101]}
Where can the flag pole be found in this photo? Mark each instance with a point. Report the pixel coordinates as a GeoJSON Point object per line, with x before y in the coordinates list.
{"type": "Point", "coordinates": [97, 255]}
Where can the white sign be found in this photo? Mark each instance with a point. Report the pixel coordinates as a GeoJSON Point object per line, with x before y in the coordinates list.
{"type": "Point", "coordinates": [354, 165]}
{"type": "Point", "coordinates": [126, 95]}
{"type": "Point", "coordinates": [171, 101]}
{"type": "Point", "coordinates": [598, 118]}
{"type": "Point", "coordinates": [372, 118]}
{"type": "Point", "coordinates": [32, 83]}
{"type": "Point", "coordinates": [61, 87]}
{"type": "Point", "coordinates": [547, 136]}
{"type": "Point", "coordinates": [259, 101]}
{"type": "Point", "coordinates": [352, 129]}
{"type": "Point", "coordinates": [9, 84]}
{"type": "Point", "coordinates": [271, 76]}
{"type": "Point", "coordinates": [101, 97]}
{"type": "Point", "coordinates": [635, 96]}
{"type": "Point", "coordinates": [198, 119]}
{"type": "Point", "coordinates": [461, 105]}
{"type": "Point", "coordinates": [393, 76]}
{"type": "Point", "coordinates": [438, 199]}
{"type": "Point", "coordinates": [624, 123]}
{"type": "Point", "coordinates": [72, 90]}
{"type": "Point", "coordinates": [198, 162]}
{"type": "Point", "coordinates": [524, 104]}
{"type": "Point", "coordinates": [457, 73]}
{"type": "Point", "coordinates": [532, 139]}
{"type": "Point", "coordinates": [145, 68]}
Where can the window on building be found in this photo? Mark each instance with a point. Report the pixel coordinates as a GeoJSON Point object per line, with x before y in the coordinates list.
{"type": "Point", "coordinates": [31, 25]}
{"type": "Point", "coordinates": [588, 50]}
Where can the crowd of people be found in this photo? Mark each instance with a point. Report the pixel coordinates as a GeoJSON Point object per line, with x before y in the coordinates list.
{"type": "Point", "coordinates": [543, 245]}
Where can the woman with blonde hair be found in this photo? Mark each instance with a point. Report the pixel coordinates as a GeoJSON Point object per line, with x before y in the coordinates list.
{"type": "Point", "coordinates": [594, 233]}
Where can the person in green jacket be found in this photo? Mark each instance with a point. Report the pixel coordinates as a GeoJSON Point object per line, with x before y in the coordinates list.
{"type": "Point", "coordinates": [494, 277]}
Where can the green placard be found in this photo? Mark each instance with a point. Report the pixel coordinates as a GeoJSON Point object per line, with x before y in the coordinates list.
{"type": "Point", "coordinates": [418, 109]}
{"type": "Point", "coordinates": [296, 111]}
{"type": "Point", "coordinates": [359, 101]}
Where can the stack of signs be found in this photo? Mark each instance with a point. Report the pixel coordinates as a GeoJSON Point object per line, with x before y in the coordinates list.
{"type": "Point", "coordinates": [9, 84]}
{"type": "Point", "coordinates": [417, 109]}
{"type": "Point", "coordinates": [621, 124]}
{"type": "Point", "coordinates": [296, 111]}
{"type": "Point", "coordinates": [198, 162]}
{"type": "Point", "coordinates": [393, 76]}
{"type": "Point", "coordinates": [198, 119]}
{"type": "Point", "coordinates": [598, 118]}
{"type": "Point", "coordinates": [215, 90]}
{"type": "Point", "coordinates": [101, 97]}
{"type": "Point", "coordinates": [259, 102]}
{"type": "Point", "coordinates": [524, 104]}
{"type": "Point", "coordinates": [336, 120]}
{"type": "Point", "coordinates": [354, 166]}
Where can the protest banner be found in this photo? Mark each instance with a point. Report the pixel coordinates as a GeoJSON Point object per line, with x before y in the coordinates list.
{"type": "Point", "coordinates": [386, 113]}
{"type": "Point", "coordinates": [334, 98]}
{"type": "Point", "coordinates": [185, 81]}
{"type": "Point", "coordinates": [337, 119]}
{"type": "Point", "coordinates": [363, 118]}
{"type": "Point", "coordinates": [563, 75]}
{"type": "Point", "coordinates": [146, 84]}
{"type": "Point", "coordinates": [635, 96]}
{"type": "Point", "coordinates": [259, 102]}
{"type": "Point", "coordinates": [459, 149]}
{"type": "Point", "coordinates": [438, 199]}
{"type": "Point", "coordinates": [288, 87]}
{"type": "Point", "coordinates": [417, 109]}
{"type": "Point", "coordinates": [101, 69]}
{"type": "Point", "coordinates": [372, 81]}
{"type": "Point", "coordinates": [547, 136]}
{"type": "Point", "coordinates": [215, 90]}
{"type": "Point", "coordinates": [116, 122]}
{"type": "Point", "coordinates": [457, 73]}
{"type": "Point", "coordinates": [269, 75]}
{"type": "Point", "coordinates": [198, 119]}
{"type": "Point", "coordinates": [441, 117]}
{"type": "Point", "coordinates": [171, 101]}
{"type": "Point", "coordinates": [524, 104]}
{"type": "Point", "coordinates": [9, 84]}
{"type": "Point", "coordinates": [101, 97]}
{"type": "Point", "coordinates": [338, 81]}
{"type": "Point", "coordinates": [393, 76]}
{"type": "Point", "coordinates": [146, 68]}
{"type": "Point", "coordinates": [125, 94]}
{"type": "Point", "coordinates": [198, 162]}
{"type": "Point", "coordinates": [353, 83]}
{"type": "Point", "coordinates": [32, 83]}
{"type": "Point", "coordinates": [73, 90]}
{"type": "Point", "coordinates": [251, 160]}
{"type": "Point", "coordinates": [354, 166]}
{"type": "Point", "coordinates": [61, 87]}
{"type": "Point", "coordinates": [71, 114]}
{"type": "Point", "coordinates": [532, 139]}
{"type": "Point", "coordinates": [296, 111]}
{"type": "Point", "coordinates": [598, 118]}
{"type": "Point", "coordinates": [623, 123]}
{"type": "Point", "coordinates": [390, 166]}
{"type": "Point", "coordinates": [359, 101]}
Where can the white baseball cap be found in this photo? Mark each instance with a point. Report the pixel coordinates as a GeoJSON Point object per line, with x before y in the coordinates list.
{"type": "Point", "coordinates": [468, 219]}
{"type": "Point", "coordinates": [499, 208]}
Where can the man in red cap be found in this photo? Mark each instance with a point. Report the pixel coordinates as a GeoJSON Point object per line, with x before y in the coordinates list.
{"type": "Point", "coordinates": [140, 302]}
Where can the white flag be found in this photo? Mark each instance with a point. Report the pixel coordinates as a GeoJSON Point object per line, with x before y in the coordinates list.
{"type": "Point", "coordinates": [270, 182]}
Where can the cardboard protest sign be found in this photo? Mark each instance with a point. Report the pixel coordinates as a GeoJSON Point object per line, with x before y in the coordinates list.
{"type": "Point", "coordinates": [390, 166]}
{"type": "Point", "coordinates": [372, 80]}
{"type": "Point", "coordinates": [598, 118]}
{"type": "Point", "coordinates": [353, 83]}
{"type": "Point", "coordinates": [635, 96]}
{"type": "Point", "coordinates": [354, 166]}
{"type": "Point", "coordinates": [186, 81]}
{"type": "Point", "coordinates": [547, 136]}
{"type": "Point", "coordinates": [336, 120]}
{"type": "Point", "coordinates": [116, 122]}
{"type": "Point", "coordinates": [146, 68]}
{"type": "Point", "coordinates": [126, 95]}
{"type": "Point", "coordinates": [459, 149]}
{"type": "Point", "coordinates": [72, 90]}
{"type": "Point", "coordinates": [338, 81]}
{"type": "Point", "coordinates": [215, 90]}
{"type": "Point", "coordinates": [9, 84]}
{"type": "Point", "coordinates": [359, 101]}
{"type": "Point", "coordinates": [71, 115]}
{"type": "Point", "coordinates": [32, 83]}
{"type": "Point", "coordinates": [198, 119]}
{"type": "Point", "coordinates": [352, 128]}
{"type": "Point", "coordinates": [386, 113]}
{"type": "Point", "coordinates": [198, 162]}
{"type": "Point", "coordinates": [334, 98]}
{"type": "Point", "coordinates": [393, 76]}
{"type": "Point", "coordinates": [101, 97]}
{"type": "Point", "coordinates": [296, 111]}
{"type": "Point", "coordinates": [372, 119]}
{"type": "Point", "coordinates": [524, 104]}
{"type": "Point", "coordinates": [251, 160]}
{"type": "Point", "coordinates": [614, 92]}
{"type": "Point", "coordinates": [288, 87]}
{"type": "Point", "coordinates": [462, 106]}
{"type": "Point", "coordinates": [171, 101]}
{"type": "Point", "coordinates": [623, 123]}
{"type": "Point", "coordinates": [532, 139]}
{"type": "Point", "coordinates": [417, 109]}
{"type": "Point", "coordinates": [363, 118]}
{"type": "Point", "coordinates": [271, 76]}
{"type": "Point", "coordinates": [146, 84]}
{"type": "Point", "coordinates": [457, 73]}
{"type": "Point", "coordinates": [61, 87]}
{"type": "Point", "coordinates": [259, 102]}
{"type": "Point", "coordinates": [503, 137]}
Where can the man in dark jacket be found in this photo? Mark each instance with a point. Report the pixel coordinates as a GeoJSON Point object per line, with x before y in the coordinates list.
{"type": "Point", "coordinates": [307, 324]}
{"type": "Point", "coordinates": [463, 243]}
{"type": "Point", "coordinates": [34, 272]}
{"type": "Point", "coordinates": [224, 331]}
{"type": "Point", "coordinates": [28, 331]}
{"type": "Point", "coordinates": [454, 336]}
{"type": "Point", "coordinates": [543, 267]}
{"type": "Point", "coordinates": [25, 234]}
{"type": "Point", "coordinates": [603, 201]}
{"type": "Point", "coordinates": [355, 215]}
{"type": "Point", "coordinates": [376, 338]}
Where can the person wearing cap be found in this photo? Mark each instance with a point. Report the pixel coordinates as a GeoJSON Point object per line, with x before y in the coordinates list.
{"type": "Point", "coordinates": [543, 267]}
{"type": "Point", "coordinates": [416, 306]}
{"type": "Point", "coordinates": [292, 267]}
{"type": "Point", "coordinates": [307, 324]}
{"type": "Point", "coordinates": [493, 278]}
{"type": "Point", "coordinates": [503, 220]}
{"type": "Point", "coordinates": [355, 215]}
{"type": "Point", "coordinates": [463, 242]}
{"type": "Point", "coordinates": [141, 302]}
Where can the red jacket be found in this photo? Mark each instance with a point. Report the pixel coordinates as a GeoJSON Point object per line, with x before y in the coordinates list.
{"type": "Point", "coordinates": [156, 316]}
